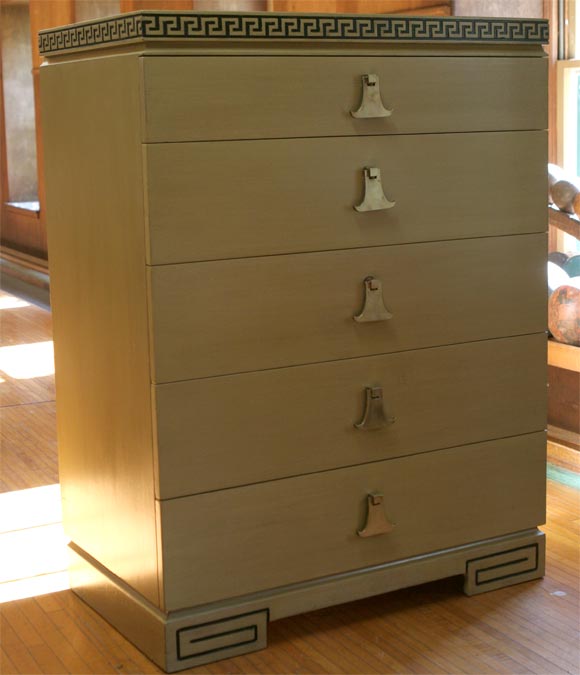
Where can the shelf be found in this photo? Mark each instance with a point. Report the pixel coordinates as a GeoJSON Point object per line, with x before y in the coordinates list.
{"type": "Point", "coordinates": [563, 356]}
{"type": "Point", "coordinates": [566, 222]}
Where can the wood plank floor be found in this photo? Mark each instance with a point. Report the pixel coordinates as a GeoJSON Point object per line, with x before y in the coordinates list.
{"type": "Point", "coordinates": [434, 628]}
{"type": "Point", "coordinates": [28, 417]}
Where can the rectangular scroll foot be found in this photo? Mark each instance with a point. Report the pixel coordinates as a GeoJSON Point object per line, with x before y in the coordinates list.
{"type": "Point", "coordinates": [513, 566]}
{"type": "Point", "coordinates": [207, 642]}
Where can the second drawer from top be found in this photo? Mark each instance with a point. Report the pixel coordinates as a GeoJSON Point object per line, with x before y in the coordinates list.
{"type": "Point", "coordinates": [209, 201]}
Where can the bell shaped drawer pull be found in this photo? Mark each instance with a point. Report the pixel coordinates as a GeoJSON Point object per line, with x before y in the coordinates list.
{"type": "Point", "coordinates": [374, 417]}
{"type": "Point", "coordinates": [374, 306]}
{"type": "Point", "coordinates": [377, 522]}
{"type": "Point", "coordinates": [371, 105]}
{"type": "Point", "coordinates": [374, 199]}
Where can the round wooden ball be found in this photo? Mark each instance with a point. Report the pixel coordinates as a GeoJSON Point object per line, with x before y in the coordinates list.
{"type": "Point", "coordinates": [563, 193]}
{"type": "Point", "coordinates": [564, 315]}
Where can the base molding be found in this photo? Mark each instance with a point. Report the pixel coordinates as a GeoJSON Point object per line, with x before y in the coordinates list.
{"type": "Point", "coordinates": [199, 635]}
{"type": "Point", "coordinates": [25, 276]}
{"type": "Point", "coordinates": [566, 440]}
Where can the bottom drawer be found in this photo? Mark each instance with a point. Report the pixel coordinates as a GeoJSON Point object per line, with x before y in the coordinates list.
{"type": "Point", "coordinates": [242, 540]}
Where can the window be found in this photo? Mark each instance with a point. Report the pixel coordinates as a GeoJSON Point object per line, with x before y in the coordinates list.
{"type": "Point", "coordinates": [568, 105]}
{"type": "Point", "coordinates": [569, 115]}
{"type": "Point", "coordinates": [18, 94]}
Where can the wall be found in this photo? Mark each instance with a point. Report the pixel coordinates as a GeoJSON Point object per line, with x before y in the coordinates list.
{"type": "Point", "coordinates": [516, 8]}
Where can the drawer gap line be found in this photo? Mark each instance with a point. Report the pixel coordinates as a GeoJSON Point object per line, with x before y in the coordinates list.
{"type": "Point", "coordinates": [352, 358]}
{"type": "Point", "coordinates": [152, 267]}
{"type": "Point", "coordinates": [353, 136]}
{"type": "Point", "coordinates": [349, 466]}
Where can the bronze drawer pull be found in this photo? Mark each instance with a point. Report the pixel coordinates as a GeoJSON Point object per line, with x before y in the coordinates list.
{"type": "Point", "coordinates": [371, 105]}
{"type": "Point", "coordinates": [374, 417]}
{"type": "Point", "coordinates": [374, 306]}
{"type": "Point", "coordinates": [376, 522]}
{"type": "Point", "coordinates": [374, 197]}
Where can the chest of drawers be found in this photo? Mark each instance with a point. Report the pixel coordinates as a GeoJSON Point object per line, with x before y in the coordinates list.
{"type": "Point", "coordinates": [297, 275]}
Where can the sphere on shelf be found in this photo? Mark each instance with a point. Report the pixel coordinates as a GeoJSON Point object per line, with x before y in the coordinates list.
{"type": "Point", "coordinates": [564, 315]}
{"type": "Point", "coordinates": [558, 258]}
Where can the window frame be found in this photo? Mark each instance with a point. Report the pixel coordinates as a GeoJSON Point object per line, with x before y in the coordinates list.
{"type": "Point", "coordinates": [568, 71]}
{"type": "Point", "coordinates": [17, 224]}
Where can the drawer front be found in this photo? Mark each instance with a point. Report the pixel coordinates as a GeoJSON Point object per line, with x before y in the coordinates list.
{"type": "Point", "coordinates": [233, 316]}
{"type": "Point", "coordinates": [276, 533]}
{"type": "Point", "coordinates": [224, 431]}
{"type": "Point", "coordinates": [286, 196]}
{"type": "Point", "coordinates": [212, 98]}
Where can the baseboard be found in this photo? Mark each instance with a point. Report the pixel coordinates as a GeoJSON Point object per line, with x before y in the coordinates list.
{"type": "Point", "coordinates": [567, 440]}
{"type": "Point", "coordinates": [25, 276]}
{"type": "Point", "coordinates": [564, 456]}
{"type": "Point", "coordinates": [204, 634]}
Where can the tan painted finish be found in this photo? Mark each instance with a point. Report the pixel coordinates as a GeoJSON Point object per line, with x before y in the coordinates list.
{"type": "Point", "coordinates": [241, 315]}
{"type": "Point", "coordinates": [201, 642]}
{"type": "Point", "coordinates": [209, 98]}
{"type": "Point", "coordinates": [271, 534]}
{"type": "Point", "coordinates": [286, 196]}
{"type": "Point", "coordinates": [129, 613]}
{"type": "Point", "coordinates": [516, 565]}
{"type": "Point", "coordinates": [207, 352]}
{"type": "Point", "coordinates": [98, 288]}
{"type": "Point", "coordinates": [181, 48]}
{"type": "Point", "coordinates": [234, 430]}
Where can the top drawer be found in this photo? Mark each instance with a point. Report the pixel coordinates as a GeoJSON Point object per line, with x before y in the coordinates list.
{"type": "Point", "coordinates": [193, 98]}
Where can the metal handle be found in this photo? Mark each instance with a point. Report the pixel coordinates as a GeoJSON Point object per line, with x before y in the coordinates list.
{"type": "Point", "coordinates": [374, 306]}
{"type": "Point", "coordinates": [374, 417]}
{"type": "Point", "coordinates": [374, 197]}
{"type": "Point", "coordinates": [376, 522]}
{"type": "Point", "coordinates": [371, 105]}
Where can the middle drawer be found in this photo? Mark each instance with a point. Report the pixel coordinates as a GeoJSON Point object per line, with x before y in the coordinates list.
{"type": "Point", "coordinates": [209, 201]}
{"type": "Point", "coordinates": [235, 316]}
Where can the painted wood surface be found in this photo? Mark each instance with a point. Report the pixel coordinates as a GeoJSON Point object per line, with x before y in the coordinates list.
{"type": "Point", "coordinates": [208, 98]}
{"type": "Point", "coordinates": [98, 286]}
{"type": "Point", "coordinates": [240, 315]}
{"type": "Point", "coordinates": [271, 534]}
{"type": "Point", "coordinates": [286, 196]}
{"type": "Point", "coordinates": [127, 325]}
{"type": "Point", "coordinates": [220, 432]}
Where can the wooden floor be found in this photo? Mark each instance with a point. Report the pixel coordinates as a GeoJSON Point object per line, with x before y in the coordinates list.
{"type": "Point", "coordinates": [26, 396]}
{"type": "Point", "coordinates": [529, 628]}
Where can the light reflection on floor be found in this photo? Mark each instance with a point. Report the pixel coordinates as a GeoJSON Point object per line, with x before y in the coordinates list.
{"type": "Point", "coordinates": [26, 361]}
{"type": "Point", "coordinates": [11, 302]}
{"type": "Point", "coordinates": [33, 544]}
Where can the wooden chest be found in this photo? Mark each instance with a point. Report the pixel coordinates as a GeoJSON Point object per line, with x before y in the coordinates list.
{"type": "Point", "coordinates": [298, 285]}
